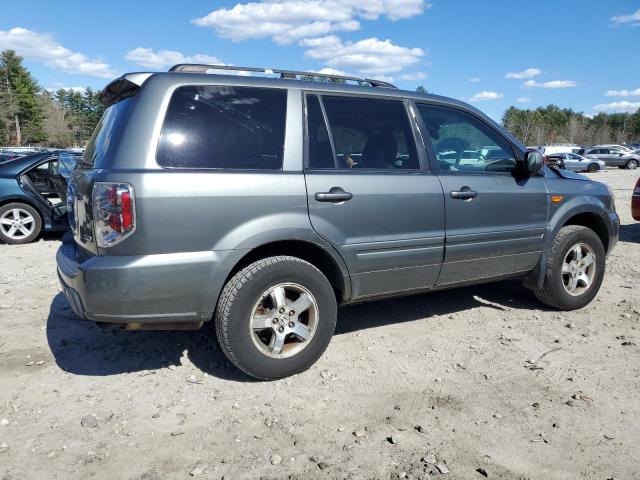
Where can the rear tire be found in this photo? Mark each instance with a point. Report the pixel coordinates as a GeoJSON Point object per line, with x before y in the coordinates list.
{"type": "Point", "coordinates": [571, 281]}
{"type": "Point", "coordinates": [632, 164]}
{"type": "Point", "coordinates": [19, 223]}
{"type": "Point", "coordinates": [255, 325]}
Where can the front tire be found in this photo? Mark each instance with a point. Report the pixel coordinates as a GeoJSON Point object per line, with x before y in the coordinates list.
{"type": "Point", "coordinates": [632, 164]}
{"type": "Point", "coordinates": [19, 223]}
{"type": "Point", "coordinates": [575, 269]}
{"type": "Point", "coordinates": [592, 168]}
{"type": "Point", "coordinates": [276, 317]}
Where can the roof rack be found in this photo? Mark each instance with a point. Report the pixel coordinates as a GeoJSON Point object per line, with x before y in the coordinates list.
{"type": "Point", "coordinates": [284, 74]}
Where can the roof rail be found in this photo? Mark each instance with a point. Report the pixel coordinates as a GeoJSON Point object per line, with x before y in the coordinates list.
{"type": "Point", "coordinates": [285, 74]}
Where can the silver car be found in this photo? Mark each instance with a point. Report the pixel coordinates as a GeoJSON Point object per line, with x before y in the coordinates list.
{"type": "Point", "coordinates": [578, 163]}
{"type": "Point", "coordinates": [262, 204]}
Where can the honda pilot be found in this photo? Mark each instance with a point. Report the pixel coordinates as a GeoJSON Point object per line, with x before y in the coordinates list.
{"type": "Point", "coordinates": [262, 202]}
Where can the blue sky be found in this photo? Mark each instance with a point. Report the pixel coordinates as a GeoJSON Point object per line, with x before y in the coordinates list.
{"type": "Point", "coordinates": [579, 54]}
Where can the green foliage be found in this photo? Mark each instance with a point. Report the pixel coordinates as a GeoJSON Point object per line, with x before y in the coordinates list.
{"type": "Point", "coordinates": [552, 124]}
{"type": "Point", "coordinates": [31, 115]}
{"type": "Point", "coordinates": [21, 117]}
{"type": "Point", "coordinates": [421, 89]}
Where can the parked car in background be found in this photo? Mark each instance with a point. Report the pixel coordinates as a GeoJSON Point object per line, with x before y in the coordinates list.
{"type": "Point", "coordinates": [635, 201]}
{"type": "Point", "coordinates": [612, 156]}
{"type": "Point", "coordinates": [555, 160]}
{"type": "Point", "coordinates": [615, 147]}
{"type": "Point", "coordinates": [559, 148]}
{"type": "Point", "coordinates": [578, 163]}
{"type": "Point", "coordinates": [206, 197]}
{"type": "Point", "coordinates": [27, 205]}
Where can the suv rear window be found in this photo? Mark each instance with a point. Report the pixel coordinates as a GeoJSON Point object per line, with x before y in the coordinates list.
{"type": "Point", "coordinates": [224, 127]}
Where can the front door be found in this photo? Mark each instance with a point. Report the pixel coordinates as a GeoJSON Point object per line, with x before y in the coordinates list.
{"type": "Point", "coordinates": [495, 222]}
{"type": "Point", "coordinates": [368, 196]}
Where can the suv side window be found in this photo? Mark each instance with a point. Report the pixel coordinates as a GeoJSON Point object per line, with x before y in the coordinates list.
{"type": "Point", "coordinates": [230, 127]}
{"type": "Point", "coordinates": [366, 134]}
{"type": "Point", "coordinates": [463, 143]}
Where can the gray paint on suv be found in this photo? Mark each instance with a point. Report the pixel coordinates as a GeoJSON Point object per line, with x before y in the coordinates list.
{"type": "Point", "coordinates": [193, 182]}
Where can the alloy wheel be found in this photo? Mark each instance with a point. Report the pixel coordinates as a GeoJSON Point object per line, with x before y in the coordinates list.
{"type": "Point", "coordinates": [578, 269]}
{"type": "Point", "coordinates": [17, 223]}
{"type": "Point", "coordinates": [284, 320]}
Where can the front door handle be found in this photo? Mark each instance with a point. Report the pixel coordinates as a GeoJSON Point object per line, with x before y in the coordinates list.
{"type": "Point", "coordinates": [335, 195]}
{"type": "Point", "coordinates": [465, 193]}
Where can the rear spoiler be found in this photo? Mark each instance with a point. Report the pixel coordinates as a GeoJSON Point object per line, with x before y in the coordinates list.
{"type": "Point", "coordinates": [122, 87]}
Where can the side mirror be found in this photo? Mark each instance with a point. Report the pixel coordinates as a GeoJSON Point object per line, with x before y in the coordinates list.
{"type": "Point", "coordinates": [533, 162]}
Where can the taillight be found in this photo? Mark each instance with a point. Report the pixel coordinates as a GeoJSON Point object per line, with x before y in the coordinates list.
{"type": "Point", "coordinates": [114, 213]}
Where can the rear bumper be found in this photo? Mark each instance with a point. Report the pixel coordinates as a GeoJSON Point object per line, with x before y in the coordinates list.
{"type": "Point", "coordinates": [141, 288]}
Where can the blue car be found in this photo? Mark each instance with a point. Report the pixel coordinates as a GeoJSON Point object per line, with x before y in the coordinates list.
{"type": "Point", "coordinates": [33, 195]}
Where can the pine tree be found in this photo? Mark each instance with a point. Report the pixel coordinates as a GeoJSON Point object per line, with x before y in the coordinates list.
{"type": "Point", "coordinates": [21, 112]}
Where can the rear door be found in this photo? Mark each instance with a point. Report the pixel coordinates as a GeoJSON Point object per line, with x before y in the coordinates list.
{"type": "Point", "coordinates": [495, 222]}
{"type": "Point", "coordinates": [609, 156]}
{"type": "Point", "coordinates": [368, 195]}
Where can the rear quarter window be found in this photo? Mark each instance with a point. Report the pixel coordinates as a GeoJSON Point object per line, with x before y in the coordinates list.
{"type": "Point", "coordinates": [225, 127]}
{"type": "Point", "coordinates": [106, 133]}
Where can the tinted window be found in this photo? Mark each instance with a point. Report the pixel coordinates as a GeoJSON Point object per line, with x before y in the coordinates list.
{"type": "Point", "coordinates": [366, 134]}
{"type": "Point", "coordinates": [224, 127]}
{"type": "Point", "coordinates": [320, 152]}
{"type": "Point", "coordinates": [107, 131]}
{"type": "Point", "coordinates": [455, 134]}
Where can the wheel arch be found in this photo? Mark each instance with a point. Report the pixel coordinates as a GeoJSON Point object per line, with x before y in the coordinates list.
{"type": "Point", "coordinates": [593, 221]}
{"type": "Point", "coordinates": [589, 214]}
{"type": "Point", "coordinates": [318, 255]}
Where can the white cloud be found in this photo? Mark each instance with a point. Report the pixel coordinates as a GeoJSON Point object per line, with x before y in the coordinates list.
{"type": "Point", "coordinates": [528, 73]}
{"type": "Point", "coordinates": [632, 19]}
{"type": "Point", "coordinates": [474, 79]}
{"type": "Point", "coordinates": [482, 96]}
{"type": "Point", "coordinates": [550, 84]}
{"type": "Point", "coordinates": [286, 21]}
{"type": "Point", "coordinates": [147, 57]}
{"type": "Point", "coordinates": [368, 57]}
{"type": "Point", "coordinates": [43, 47]}
{"type": "Point", "coordinates": [414, 76]}
{"type": "Point", "coordinates": [622, 106]}
{"type": "Point", "coordinates": [623, 93]}
{"type": "Point", "coordinates": [332, 71]}
{"type": "Point", "coordinates": [524, 99]}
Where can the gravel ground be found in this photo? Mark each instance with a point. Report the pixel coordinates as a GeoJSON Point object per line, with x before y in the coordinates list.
{"type": "Point", "coordinates": [470, 383]}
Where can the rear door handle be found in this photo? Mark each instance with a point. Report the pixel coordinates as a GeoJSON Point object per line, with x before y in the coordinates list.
{"type": "Point", "coordinates": [335, 195]}
{"type": "Point", "coordinates": [465, 193]}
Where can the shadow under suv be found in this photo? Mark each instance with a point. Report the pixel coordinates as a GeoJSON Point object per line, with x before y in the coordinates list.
{"type": "Point", "coordinates": [264, 203]}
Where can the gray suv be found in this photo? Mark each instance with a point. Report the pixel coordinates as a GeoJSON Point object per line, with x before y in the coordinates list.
{"type": "Point", "coordinates": [612, 156]}
{"type": "Point", "coordinates": [264, 203]}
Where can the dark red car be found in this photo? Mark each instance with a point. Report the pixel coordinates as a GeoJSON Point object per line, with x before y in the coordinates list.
{"type": "Point", "coordinates": [635, 201]}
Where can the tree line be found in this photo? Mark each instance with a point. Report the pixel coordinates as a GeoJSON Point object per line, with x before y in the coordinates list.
{"type": "Point", "coordinates": [31, 115]}
{"type": "Point", "coordinates": [552, 124]}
